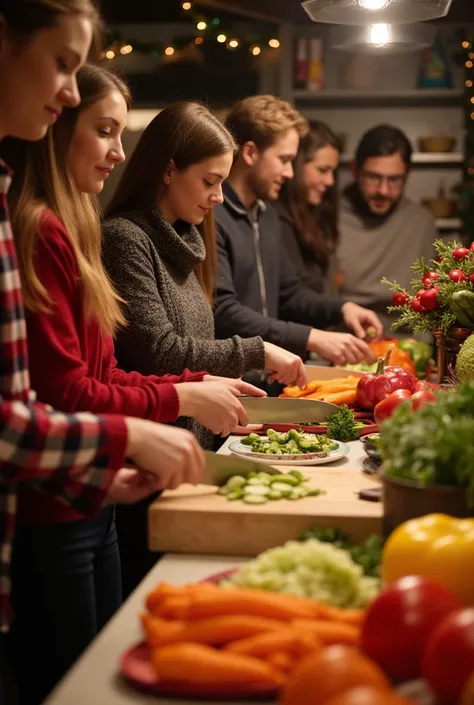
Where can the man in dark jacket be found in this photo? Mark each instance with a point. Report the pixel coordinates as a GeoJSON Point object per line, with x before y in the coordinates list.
{"type": "Point", "coordinates": [258, 292]}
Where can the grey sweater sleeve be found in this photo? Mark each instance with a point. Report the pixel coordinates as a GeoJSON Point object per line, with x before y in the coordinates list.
{"type": "Point", "coordinates": [149, 343]}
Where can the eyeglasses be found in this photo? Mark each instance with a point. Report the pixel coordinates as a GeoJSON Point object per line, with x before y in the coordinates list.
{"type": "Point", "coordinates": [393, 182]}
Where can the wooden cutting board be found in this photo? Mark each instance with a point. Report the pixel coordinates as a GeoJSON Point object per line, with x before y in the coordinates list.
{"type": "Point", "coordinates": [198, 520]}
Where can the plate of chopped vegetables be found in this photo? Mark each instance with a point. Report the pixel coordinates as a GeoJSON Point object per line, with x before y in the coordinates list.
{"type": "Point", "coordinates": [291, 448]}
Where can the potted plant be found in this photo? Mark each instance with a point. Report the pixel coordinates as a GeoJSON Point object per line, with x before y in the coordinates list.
{"type": "Point", "coordinates": [441, 301]}
{"type": "Point", "coordinates": [428, 458]}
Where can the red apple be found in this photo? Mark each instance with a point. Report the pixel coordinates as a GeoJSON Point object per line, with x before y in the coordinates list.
{"type": "Point", "coordinates": [457, 276]}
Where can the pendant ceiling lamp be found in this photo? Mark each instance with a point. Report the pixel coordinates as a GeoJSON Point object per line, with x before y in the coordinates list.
{"type": "Point", "coordinates": [382, 38]}
{"type": "Point", "coordinates": [363, 12]}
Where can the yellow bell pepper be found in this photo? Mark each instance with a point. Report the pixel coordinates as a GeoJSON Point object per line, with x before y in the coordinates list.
{"type": "Point", "coordinates": [437, 547]}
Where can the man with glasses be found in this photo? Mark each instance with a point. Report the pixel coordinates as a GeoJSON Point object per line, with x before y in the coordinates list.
{"type": "Point", "coordinates": [381, 231]}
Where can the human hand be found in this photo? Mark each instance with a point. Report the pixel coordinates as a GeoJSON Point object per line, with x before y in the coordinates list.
{"type": "Point", "coordinates": [284, 367]}
{"type": "Point", "coordinates": [245, 388]}
{"type": "Point", "coordinates": [214, 404]}
{"type": "Point", "coordinates": [339, 348]}
{"type": "Point", "coordinates": [360, 319]}
{"type": "Point", "coordinates": [130, 486]}
{"type": "Point", "coordinates": [172, 454]}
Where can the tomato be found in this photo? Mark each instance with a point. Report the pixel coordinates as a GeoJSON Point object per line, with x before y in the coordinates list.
{"type": "Point", "coordinates": [399, 622]}
{"type": "Point", "coordinates": [460, 253]}
{"type": "Point", "coordinates": [424, 396]}
{"type": "Point", "coordinates": [429, 299]}
{"type": "Point", "coordinates": [400, 298]}
{"type": "Point", "coordinates": [387, 406]}
{"type": "Point", "coordinates": [328, 673]}
{"type": "Point", "coordinates": [449, 657]}
{"type": "Point", "coordinates": [368, 695]}
{"type": "Point", "coordinates": [468, 691]}
{"type": "Point", "coordinates": [457, 276]}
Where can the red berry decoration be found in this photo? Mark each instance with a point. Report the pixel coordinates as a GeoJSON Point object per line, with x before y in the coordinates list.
{"type": "Point", "coordinates": [419, 293]}
{"type": "Point", "coordinates": [460, 253]}
{"type": "Point", "coordinates": [457, 276]}
{"type": "Point", "coordinates": [472, 246]}
{"type": "Point", "coordinates": [416, 306]}
{"type": "Point", "coordinates": [429, 278]}
{"type": "Point", "coordinates": [429, 299]}
{"type": "Point", "coordinates": [400, 298]}
{"type": "Point", "coordinates": [471, 279]}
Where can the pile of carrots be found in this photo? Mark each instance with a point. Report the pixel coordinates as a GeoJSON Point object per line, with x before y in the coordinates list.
{"type": "Point", "coordinates": [335, 391]}
{"type": "Point", "coordinates": [219, 638]}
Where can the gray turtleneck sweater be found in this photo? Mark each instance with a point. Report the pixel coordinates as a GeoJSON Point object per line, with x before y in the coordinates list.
{"type": "Point", "coordinates": [170, 322]}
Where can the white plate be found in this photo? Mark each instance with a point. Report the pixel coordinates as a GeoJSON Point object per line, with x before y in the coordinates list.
{"type": "Point", "coordinates": [239, 448]}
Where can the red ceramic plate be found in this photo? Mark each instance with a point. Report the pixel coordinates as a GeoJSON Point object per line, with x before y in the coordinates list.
{"type": "Point", "coordinates": [138, 672]}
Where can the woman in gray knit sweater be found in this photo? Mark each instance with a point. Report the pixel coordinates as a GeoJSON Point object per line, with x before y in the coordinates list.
{"type": "Point", "coordinates": [159, 249]}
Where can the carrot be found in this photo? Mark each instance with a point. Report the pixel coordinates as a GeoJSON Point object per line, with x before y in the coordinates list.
{"type": "Point", "coordinates": [298, 642]}
{"type": "Point", "coordinates": [353, 617]}
{"type": "Point", "coordinates": [282, 660]}
{"type": "Point", "coordinates": [161, 593]}
{"type": "Point", "coordinates": [330, 632]}
{"type": "Point", "coordinates": [217, 631]}
{"type": "Point", "coordinates": [251, 602]}
{"type": "Point", "coordinates": [346, 397]}
{"type": "Point", "coordinates": [160, 631]}
{"type": "Point", "coordinates": [198, 665]}
{"type": "Point", "coordinates": [174, 607]}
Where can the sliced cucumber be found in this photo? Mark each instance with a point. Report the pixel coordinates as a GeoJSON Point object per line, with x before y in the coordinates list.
{"type": "Point", "coordinates": [260, 490]}
{"type": "Point", "coordinates": [236, 481]}
{"type": "Point", "coordinates": [235, 494]}
{"type": "Point", "coordinates": [223, 490]}
{"type": "Point", "coordinates": [286, 479]}
{"type": "Point", "coordinates": [254, 499]}
{"type": "Point", "coordinates": [282, 487]}
{"type": "Point", "coordinates": [275, 495]}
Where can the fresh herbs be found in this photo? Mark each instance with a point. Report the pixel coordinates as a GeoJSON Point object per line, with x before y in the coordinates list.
{"type": "Point", "coordinates": [342, 426]}
{"type": "Point", "coordinates": [435, 446]}
{"type": "Point", "coordinates": [368, 554]}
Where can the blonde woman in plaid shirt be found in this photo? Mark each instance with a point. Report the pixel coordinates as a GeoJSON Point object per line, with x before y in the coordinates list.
{"type": "Point", "coordinates": [42, 45]}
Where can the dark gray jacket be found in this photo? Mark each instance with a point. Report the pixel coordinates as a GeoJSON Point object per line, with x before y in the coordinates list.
{"type": "Point", "coordinates": [258, 292]}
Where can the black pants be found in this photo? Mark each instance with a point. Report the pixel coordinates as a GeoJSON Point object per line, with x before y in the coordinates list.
{"type": "Point", "coordinates": [66, 586]}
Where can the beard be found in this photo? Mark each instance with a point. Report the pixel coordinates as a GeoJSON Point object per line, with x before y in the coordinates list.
{"type": "Point", "coordinates": [362, 205]}
{"type": "Point", "coordinates": [264, 190]}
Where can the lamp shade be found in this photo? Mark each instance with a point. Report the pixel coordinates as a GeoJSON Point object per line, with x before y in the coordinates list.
{"type": "Point", "coordinates": [363, 12]}
{"type": "Point", "coordinates": [383, 38]}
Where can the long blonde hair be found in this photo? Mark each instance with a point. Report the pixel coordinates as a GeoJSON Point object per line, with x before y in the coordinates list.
{"type": "Point", "coordinates": [41, 181]}
{"type": "Point", "coordinates": [187, 133]}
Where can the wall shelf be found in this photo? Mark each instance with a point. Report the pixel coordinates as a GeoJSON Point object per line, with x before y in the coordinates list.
{"type": "Point", "coordinates": [448, 223]}
{"type": "Point", "coordinates": [423, 98]}
{"type": "Point", "coordinates": [445, 159]}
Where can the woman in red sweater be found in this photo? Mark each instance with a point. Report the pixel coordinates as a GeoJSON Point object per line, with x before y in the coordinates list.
{"type": "Point", "coordinates": [72, 312]}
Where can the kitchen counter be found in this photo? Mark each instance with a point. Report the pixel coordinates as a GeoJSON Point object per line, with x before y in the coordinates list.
{"type": "Point", "coordinates": [198, 520]}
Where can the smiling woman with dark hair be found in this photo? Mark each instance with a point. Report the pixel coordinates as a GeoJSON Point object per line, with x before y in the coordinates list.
{"type": "Point", "coordinates": [308, 206]}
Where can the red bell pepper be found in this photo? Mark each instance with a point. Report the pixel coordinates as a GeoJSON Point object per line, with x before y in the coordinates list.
{"type": "Point", "coordinates": [372, 388]}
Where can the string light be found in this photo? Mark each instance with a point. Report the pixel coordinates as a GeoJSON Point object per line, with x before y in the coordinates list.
{"type": "Point", "coordinates": [255, 50]}
{"type": "Point", "coordinates": [472, 99]}
{"type": "Point", "coordinates": [186, 6]}
{"type": "Point", "coordinates": [199, 40]}
{"type": "Point", "coordinates": [469, 84]}
{"type": "Point", "coordinates": [233, 44]}
{"type": "Point", "coordinates": [469, 64]}
{"type": "Point", "coordinates": [127, 49]}
{"type": "Point", "coordinates": [466, 45]}
{"type": "Point", "coordinates": [201, 25]}
{"type": "Point", "coordinates": [169, 51]}
{"type": "Point", "coordinates": [216, 21]}
{"type": "Point", "coordinates": [221, 38]}
{"type": "Point", "coordinates": [472, 116]}
{"type": "Point", "coordinates": [274, 43]}
{"type": "Point", "coordinates": [110, 54]}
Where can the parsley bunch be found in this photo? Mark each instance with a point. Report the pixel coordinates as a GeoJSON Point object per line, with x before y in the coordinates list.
{"type": "Point", "coordinates": [342, 425]}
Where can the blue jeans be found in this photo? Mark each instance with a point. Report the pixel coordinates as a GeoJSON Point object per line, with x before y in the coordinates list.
{"type": "Point", "coordinates": [66, 586]}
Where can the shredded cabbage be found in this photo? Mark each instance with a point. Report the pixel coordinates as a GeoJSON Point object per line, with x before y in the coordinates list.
{"type": "Point", "coordinates": [312, 569]}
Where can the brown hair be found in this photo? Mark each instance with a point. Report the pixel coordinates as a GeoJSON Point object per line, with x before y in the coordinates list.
{"type": "Point", "coordinates": [187, 133]}
{"type": "Point", "coordinates": [41, 180]}
{"type": "Point", "coordinates": [262, 119]}
{"type": "Point", "coordinates": [316, 227]}
{"type": "Point", "coordinates": [25, 18]}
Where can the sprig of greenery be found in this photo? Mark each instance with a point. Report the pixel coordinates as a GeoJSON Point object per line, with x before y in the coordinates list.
{"type": "Point", "coordinates": [443, 318]}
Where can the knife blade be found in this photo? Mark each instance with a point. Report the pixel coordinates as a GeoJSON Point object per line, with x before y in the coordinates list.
{"type": "Point", "coordinates": [277, 410]}
{"type": "Point", "coordinates": [220, 468]}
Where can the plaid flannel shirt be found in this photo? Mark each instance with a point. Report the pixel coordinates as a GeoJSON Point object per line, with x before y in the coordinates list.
{"type": "Point", "coordinates": [74, 456]}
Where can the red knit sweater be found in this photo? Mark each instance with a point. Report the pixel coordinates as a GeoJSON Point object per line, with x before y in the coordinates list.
{"type": "Point", "coordinates": [72, 363]}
